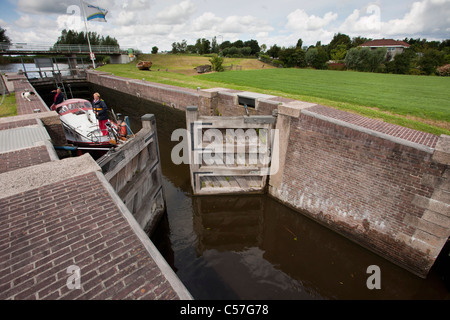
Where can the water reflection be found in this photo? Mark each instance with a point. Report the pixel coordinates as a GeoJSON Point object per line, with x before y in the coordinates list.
{"type": "Point", "coordinates": [263, 250]}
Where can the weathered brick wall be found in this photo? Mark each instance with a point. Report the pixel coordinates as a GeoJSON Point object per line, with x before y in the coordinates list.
{"type": "Point", "coordinates": [175, 97]}
{"type": "Point", "coordinates": [375, 191]}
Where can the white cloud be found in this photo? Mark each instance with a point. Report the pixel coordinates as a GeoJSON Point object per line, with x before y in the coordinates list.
{"type": "Point", "coordinates": [206, 21]}
{"type": "Point", "coordinates": [299, 20]}
{"type": "Point", "coordinates": [310, 28]}
{"type": "Point", "coordinates": [425, 17]}
{"type": "Point", "coordinates": [177, 14]}
{"type": "Point", "coordinates": [363, 22]}
{"type": "Point", "coordinates": [40, 6]}
{"type": "Point", "coordinates": [137, 5]}
{"type": "Point", "coordinates": [428, 16]}
{"type": "Point", "coordinates": [244, 24]}
{"type": "Point", "coordinates": [25, 22]}
{"type": "Point", "coordinates": [125, 18]}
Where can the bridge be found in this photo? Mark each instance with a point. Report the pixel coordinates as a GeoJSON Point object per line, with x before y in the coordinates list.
{"type": "Point", "coordinates": [66, 49]}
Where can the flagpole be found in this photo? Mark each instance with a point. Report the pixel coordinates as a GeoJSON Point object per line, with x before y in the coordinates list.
{"type": "Point", "coordinates": [87, 33]}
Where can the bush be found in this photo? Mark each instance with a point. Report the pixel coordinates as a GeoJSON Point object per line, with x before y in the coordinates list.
{"type": "Point", "coordinates": [416, 72]}
{"type": "Point", "coordinates": [278, 63]}
{"type": "Point", "coordinates": [430, 60]}
{"type": "Point", "coordinates": [444, 71]}
{"type": "Point", "coordinates": [316, 58]}
{"type": "Point", "coordinates": [216, 63]}
{"type": "Point", "coordinates": [364, 59]}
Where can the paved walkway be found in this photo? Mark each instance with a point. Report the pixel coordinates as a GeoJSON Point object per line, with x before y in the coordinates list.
{"type": "Point", "coordinates": [62, 224]}
{"type": "Point", "coordinates": [419, 137]}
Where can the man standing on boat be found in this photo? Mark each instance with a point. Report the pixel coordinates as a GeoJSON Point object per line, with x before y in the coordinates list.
{"type": "Point", "coordinates": [101, 110]}
{"type": "Point", "coordinates": [59, 98]}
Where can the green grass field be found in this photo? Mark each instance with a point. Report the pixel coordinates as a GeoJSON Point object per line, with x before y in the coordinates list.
{"type": "Point", "coordinates": [418, 102]}
{"type": "Point", "coordinates": [416, 96]}
{"type": "Point", "coordinates": [8, 107]}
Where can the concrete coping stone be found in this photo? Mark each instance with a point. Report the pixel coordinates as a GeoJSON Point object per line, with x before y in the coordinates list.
{"type": "Point", "coordinates": [148, 117]}
{"type": "Point", "coordinates": [442, 150]}
{"type": "Point", "coordinates": [192, 108]}
{"type": "Point", "coordinates": [369, 131]}
{"type": "Point", "coordinates": [167, 271]}
{"type": "Point", "coordinates": [293, 109]}
{"type": "Point", "coordinates": [29, 178]}
{"type": "Point", "coordinates": [38, 115]}
{"type": "Point", "coordinates": [254, 95]}
{"type": "Point", "coordinates": [260, 119]}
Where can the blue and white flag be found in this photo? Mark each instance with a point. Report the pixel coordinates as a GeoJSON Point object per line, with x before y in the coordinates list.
{"type": "Point", "coordinates": [94, 13]}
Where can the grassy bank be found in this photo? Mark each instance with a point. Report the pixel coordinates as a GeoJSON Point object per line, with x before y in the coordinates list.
{"type": "Point", "coordinates": [416, 102]}
{"type": "Point", "coordinates": [8, 108]}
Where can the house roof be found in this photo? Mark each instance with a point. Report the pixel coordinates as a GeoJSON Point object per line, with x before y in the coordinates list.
{"type": "Point", "coordinates": [385, 43]}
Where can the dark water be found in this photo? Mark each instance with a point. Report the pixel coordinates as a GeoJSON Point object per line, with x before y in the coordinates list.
{"type": "Point", "coordinates": [254, 248]}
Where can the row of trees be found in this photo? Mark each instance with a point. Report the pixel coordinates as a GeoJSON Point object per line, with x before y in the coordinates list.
{"type": "Point", "coordinates": [74, 37]}
{"type": "Point", "coordinates": [226, 48]}
{"type": "Point", "coordinates": [423, 57]}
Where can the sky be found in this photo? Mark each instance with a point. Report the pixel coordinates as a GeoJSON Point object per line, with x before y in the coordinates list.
{"type": "Point", "coordinates": [142, 24]}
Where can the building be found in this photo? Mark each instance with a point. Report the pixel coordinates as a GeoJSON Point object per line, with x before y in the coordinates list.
{"type": "Point", "coordinates": [393, 47]}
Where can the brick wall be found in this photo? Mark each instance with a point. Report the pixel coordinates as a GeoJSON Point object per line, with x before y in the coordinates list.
{"type": "Point", "coordinates": [175, 97]}
{"type": "Point", "coordinates": [374, 189]}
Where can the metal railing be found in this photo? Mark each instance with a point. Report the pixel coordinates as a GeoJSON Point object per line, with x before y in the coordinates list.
{"type": "Point", "coordinates": [60, 48]}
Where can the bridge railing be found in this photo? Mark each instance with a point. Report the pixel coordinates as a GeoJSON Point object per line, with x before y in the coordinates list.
{"type": "Point", "coordinates": [60, 48]}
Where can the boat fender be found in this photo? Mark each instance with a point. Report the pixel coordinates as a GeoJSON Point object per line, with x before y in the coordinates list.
{"type": "Point", "coordinates": [123, 129]}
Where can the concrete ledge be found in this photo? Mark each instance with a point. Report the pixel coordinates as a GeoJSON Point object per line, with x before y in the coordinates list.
{"type": "Point", "coordinates": [442, 150]}
{"type": "Point", "coordinates": [260, 119]}
{"type": "Point", "coordinates": [22, 180]}
{"type": "Point", "coordinates": [293, 109]}
{"type": "Point", "coordinates": [169, 274]}
{"type": "Point", "coordinates": [40, 115]}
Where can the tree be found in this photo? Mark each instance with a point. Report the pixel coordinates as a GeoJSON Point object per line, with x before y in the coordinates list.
{"type": "Point", "coordinates": [225, 44]}
{"type": "Point", "coordinates": [214, 46]}
{"type": "Point", "coordinates": [274, 51]}
{"type": "Point", "coordinates": [263, 48]}
{"type": "Point", "coordinates": [155, 50]}
{"type": "Point", "coordinates": [299, 43]}
{"type": "Point", "coordinates": [179, 47]}
{"type": "Point", "coordinates": [340, 39]}
{"type": "Point", "coordinates": [4, 39]}
{"type": "Point", "coordinates": [253, 45]}
{"type": "Point", "coordinates": [203, 46]}
{"type": "Point", "coordinates": [357, 41]}
{"type": "Point", "coordinates": [238, 44]}
{"type": "Point", "coordinates": [292, 57]}
{"type": "Point", "coordinates": [375, 58]}
{"type": "Point", "coordinates": [316, 57]}
{"type": "Point", "coordinates": [339, 52]}
{"type": "Point", "coordinates": [402, 62]}
{"type": "Point", "coordinates": [364, 59]}
{"type": "Point", "coordinates": [311, 56]}
{"type": "Point", "coordinates": [430, 60]}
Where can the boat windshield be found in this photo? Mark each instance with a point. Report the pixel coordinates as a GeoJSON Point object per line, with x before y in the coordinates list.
{"type": "Point", "coordinates": [78, 105]}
